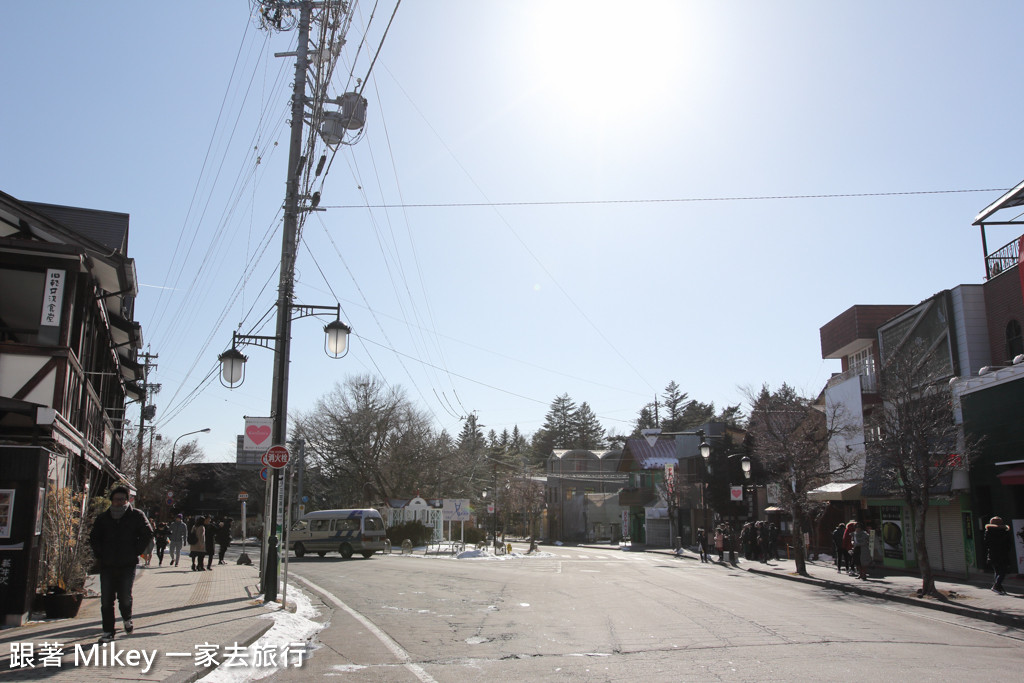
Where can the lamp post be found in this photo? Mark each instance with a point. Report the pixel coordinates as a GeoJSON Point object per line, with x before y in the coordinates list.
{"type": "Point", "coordinates": [233, 374]}
{"type": "Point", "coordinates": [705, 454]}
{"type": "Point", "coordinates": [170, 475]}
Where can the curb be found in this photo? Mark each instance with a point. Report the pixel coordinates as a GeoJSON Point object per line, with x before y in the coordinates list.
{"type": "Point", "coordinates": [984, 615]}
{"type": "Point", "coordinates": [247, 638]}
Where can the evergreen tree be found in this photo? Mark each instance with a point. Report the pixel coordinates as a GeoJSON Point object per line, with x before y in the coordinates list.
{"type": "Point", "coordinates": [696, 413]}
{"type": "Point", "coordinates": [644, 420]}
{"type": "Point", "coordinates": [560, 422]}
{"type": "Point", "coordinates": [675, 404]}
{"type": "Point", "coordinates": [589, 432]}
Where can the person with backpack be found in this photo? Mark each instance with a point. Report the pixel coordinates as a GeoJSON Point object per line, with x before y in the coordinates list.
{"type": "Point", "coordinates": [197, 544]}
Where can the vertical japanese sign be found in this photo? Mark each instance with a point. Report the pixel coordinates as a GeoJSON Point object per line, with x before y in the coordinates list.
{"type": "Point", "coordinates": [53, 298]}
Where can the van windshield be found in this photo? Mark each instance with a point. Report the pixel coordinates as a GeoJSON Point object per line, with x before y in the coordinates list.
{"type": "Point", "coordinates": [373, 524]}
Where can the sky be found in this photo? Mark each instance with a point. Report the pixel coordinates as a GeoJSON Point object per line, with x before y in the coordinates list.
{"type": "Point", "coordinates": [583, 198]}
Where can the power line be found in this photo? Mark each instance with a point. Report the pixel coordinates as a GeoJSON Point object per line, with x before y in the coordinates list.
{"type": "Point", "coordinates": [679, 200]}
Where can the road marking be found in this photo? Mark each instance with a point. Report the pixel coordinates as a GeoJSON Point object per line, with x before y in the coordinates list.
{"type": "Point", "coordinates": [396, 649]}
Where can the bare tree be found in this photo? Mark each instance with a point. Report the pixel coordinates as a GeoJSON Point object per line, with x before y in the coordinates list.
{"type": "Point", "coordinates": [366, 440]}
{"type": "Point", "coordinates": [915, 448]}
{"type": "Point", "coordinates": [791, 437]}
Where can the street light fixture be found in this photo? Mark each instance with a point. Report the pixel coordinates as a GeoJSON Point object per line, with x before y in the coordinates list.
{"type": "Point", "coordinates": [232, 361]}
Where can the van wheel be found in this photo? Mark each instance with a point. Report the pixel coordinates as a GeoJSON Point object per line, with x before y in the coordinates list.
{"type": "Point", "coordinates": [367, 555]}
{"type": "Point", "coordinates": [321, 554]}
{"type": "Point", "coordinates": [346, 551]}
{"type": "Point", "coordinates": [300, 550]}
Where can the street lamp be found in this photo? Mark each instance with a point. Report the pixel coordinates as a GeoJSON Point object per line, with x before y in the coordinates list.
{"type": "Point", "coordinates": [705, 453]}
{"type": "Point", "coordinates": [232, 361]}
{"type": "Point", "coordinates": [170, 476]}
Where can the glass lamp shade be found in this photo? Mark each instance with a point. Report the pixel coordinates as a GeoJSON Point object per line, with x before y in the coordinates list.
{"type": "Point", "coordinates": [745, 464]}
{"type": "Point", "coordinates": [705, 450]}
{"type": "Point", "coordinates": [337, 338]}
{"type": "Point", "coordinates": [232, 367]}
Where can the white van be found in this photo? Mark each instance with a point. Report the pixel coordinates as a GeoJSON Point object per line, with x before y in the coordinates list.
{"type": "Point", "coordinates": [343, 531]}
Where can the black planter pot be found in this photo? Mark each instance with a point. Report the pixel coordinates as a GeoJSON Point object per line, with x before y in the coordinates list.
{"type": "Point", "coordinates": [62, 605]}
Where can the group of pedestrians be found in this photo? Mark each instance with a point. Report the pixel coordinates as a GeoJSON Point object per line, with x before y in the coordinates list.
{"type": "Point", "coordinates": [204, 535]}
{"type": "Point", "coordinates": [851, 544]}
{"type": "Point", "coordinates": [760, 541]}
{"type": "Point", "coordinates": [122, 534]}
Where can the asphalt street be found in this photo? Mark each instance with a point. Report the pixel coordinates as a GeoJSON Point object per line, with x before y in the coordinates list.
{"type": "Point", "coordinates": [591, 614]}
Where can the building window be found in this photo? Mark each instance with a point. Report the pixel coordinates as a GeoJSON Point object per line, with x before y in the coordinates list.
{"type": "Point", "coordinates": [862, 362]}
{"type": "Point", "coordinates": [581, 465]}
{"type": "Point", "coordinates": [1014, 340]}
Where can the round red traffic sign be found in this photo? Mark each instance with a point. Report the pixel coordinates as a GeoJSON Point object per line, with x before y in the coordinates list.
{"type": "Point", "coordinates": [276, 457]}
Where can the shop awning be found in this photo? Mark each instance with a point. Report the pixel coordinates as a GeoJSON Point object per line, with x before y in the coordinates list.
{"type": "Point", "coordinates": [1012, 477]}
{"type": "Point", "coordinates": [837, 490]}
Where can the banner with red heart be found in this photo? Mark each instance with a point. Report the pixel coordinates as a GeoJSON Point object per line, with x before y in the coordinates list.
{"type": "Point", "coordinates": [257, 433]}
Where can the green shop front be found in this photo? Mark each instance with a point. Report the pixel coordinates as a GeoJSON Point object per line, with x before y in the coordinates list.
{"type": "Point", "coordinates": [949, 533]}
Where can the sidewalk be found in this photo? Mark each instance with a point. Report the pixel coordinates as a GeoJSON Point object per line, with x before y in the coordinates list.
{"type": "Point", "coordinates": [175, 610]}
{"type": "Point", "coordinates": [973, 599]}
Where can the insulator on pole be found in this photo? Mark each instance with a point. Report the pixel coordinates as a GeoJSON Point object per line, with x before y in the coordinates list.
{"type": "Point", "coordinates": [320, 164]}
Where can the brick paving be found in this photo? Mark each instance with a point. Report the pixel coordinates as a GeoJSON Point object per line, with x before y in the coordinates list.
{"type": "Point", "coordinates": [175, 610]}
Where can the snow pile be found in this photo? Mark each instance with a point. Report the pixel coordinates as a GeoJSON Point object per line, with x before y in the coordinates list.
{"type": "Point", "coordinates": [293, 631]}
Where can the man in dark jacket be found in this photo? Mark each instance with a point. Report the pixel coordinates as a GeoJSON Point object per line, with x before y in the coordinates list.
{"type": "Point", "coordinates": [997, 545]}
{"type": "Point", "coordinates": [211, 541]}
{"type": "Point", "coordinates": [223, 537]}
{"type": "Point", "coordinates": [120, 534]}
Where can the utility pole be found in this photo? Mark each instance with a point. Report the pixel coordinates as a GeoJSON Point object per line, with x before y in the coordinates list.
{"type": "Point", "coordinates": [148, 412]}
{"type": "Point", "coordinates": [282, 347]}
{"type": "Point", "coordinates": [313, 67]}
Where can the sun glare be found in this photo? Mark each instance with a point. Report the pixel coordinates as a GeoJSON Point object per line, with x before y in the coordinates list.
{"type": "Point", "coordinates": [593, 58]}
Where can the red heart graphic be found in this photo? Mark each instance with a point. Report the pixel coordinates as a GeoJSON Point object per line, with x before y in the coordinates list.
{"type": "Point", "coordinates": [257, 434]}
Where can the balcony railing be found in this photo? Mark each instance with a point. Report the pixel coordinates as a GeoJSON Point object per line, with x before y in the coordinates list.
{"type": "Point", "coordinates": [868, 383]}
{"type": "Point", "coordinates": [1002, 259]}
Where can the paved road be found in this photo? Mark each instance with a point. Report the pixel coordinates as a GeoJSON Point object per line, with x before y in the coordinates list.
{"type": "Point", "coordinates": [595, 615]}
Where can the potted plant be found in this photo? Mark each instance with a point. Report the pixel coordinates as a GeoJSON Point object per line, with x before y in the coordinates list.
{"type": "Point", "coordinates": [66, 553]}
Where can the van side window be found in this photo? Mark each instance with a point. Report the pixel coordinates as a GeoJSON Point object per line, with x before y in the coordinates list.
{"type": "Point", "coordinates": [299, 526]}
{"type": "Point", "coordinates": [319, 525]}
{"type": "Point", "coordinates": [348, 524]}
{"type": "Point", "coordinates": [374, 524]}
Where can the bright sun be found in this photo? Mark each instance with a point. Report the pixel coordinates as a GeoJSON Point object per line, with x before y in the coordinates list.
{"type": "Point", "coordinates": [587, 55]}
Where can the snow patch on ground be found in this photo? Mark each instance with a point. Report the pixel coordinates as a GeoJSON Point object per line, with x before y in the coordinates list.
{"type": "Point", "coordinates": [292, 630]}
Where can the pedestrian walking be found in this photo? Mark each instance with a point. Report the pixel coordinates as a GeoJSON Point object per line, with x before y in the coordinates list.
{"type": "Point", "coordinates": [118, 537]}
{"type": "Point", "coordinates": [997, 549]}
{"type": "Point", "coordinates": [197, 544]}
{"type": "Point", "coordinates": [702, 545]}
{"type": "Point", "coordinates": [763, 541]}
{"type": "Point", "coordinates": [773, 540]}
{"type": "Point", "coordinates": [223, 538]}
{"type": "Point", "coordinates": [211, 541]}
{"type": "Point", "coordinates": [178, 534]}
{"type": "Point", "coordinates": [862, 550]}
{"type": "Point", "coordinates": [851, 558]}
{"type": "Point", "coordinates": [837, 548]}
{"type": "Point", "coordinates": [160, 536]}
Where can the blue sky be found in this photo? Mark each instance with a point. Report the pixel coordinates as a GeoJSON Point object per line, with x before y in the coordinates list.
{"type": "Point", "coordinates": [581, 161]}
